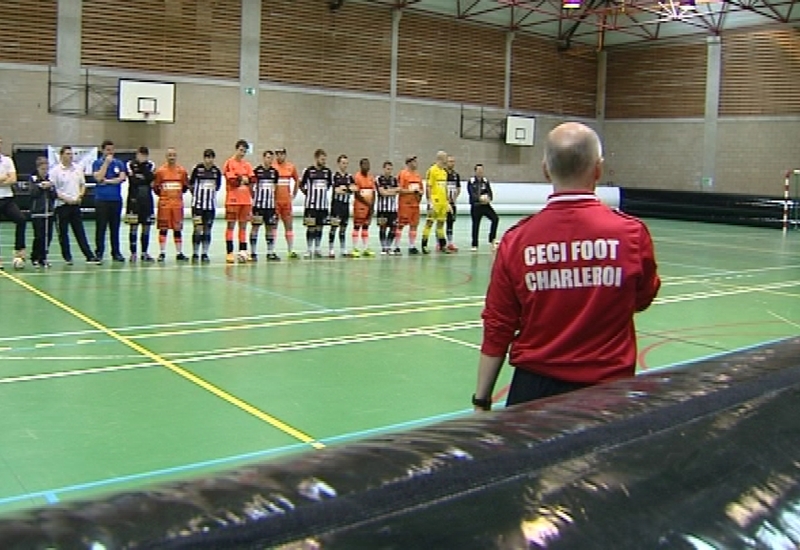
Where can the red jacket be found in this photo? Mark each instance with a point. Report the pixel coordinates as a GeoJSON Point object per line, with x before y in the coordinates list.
{"type": "Point", "coordinates": [565, 285]}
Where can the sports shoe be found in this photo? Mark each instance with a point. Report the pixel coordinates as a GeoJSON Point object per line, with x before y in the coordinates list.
{"type": "Point", "coordinates": [147, 258]}
{"type": "Point", "coordinates": [356, 253]}
{"type": "Point", "coordinates": [318, 254]}
{"type": "Point", "coordinates": [230, 258]}
{"type": "Point", "coordinates": [253, 257]}
{"type": "Point", "coordinates": [119, 258]}
{"type": "Point", "coordinates": [425, 250]}
{"type": "Point", "coordinates": [272, 257]}
{"type": "Point", "coordinates": [331, 254]}
{"type": "Point", "coordinates": [397, 252]}
{"type": "Point", "coordinates": [413, 251]}
{"type": "Point", "coordinates": [45, 264]}
{"type": "Point", "coordinates": [132, 258]}
{"type": "Point", "coordinates": [94, 260]}
{"type": "Point", "coordinates": [474, 248]}
{"type": "Point", "coordinates": [195, 258]}
{"type": "Point", "coordinates": [181, 257]}
{"type": "Point", "coordinates": [205, 259]}
{"type": "Point", "coordinates": [368, 253]}
{"type": "Point", "coordinates": [35, 264]}
{"type": "Point", "coordinates": [384, 252]}
{"type": "Point", "coordinates": [69, 261]}
{"type": "Point", "coordinates": [162, 258]}
{"type": "Point", "coordinates": [293, 255]}
{"type": "Point", "coordinates": [307, 255]}
{"type": "Point", "coordinates": [452, 247]}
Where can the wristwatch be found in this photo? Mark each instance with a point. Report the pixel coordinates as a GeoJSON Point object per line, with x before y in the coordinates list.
{"type": "Point", "coordinates": [485, 404]}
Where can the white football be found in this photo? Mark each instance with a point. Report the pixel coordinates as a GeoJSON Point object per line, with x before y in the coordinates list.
{"type": "Point", "coordinates": [18, 263]}
{"type": "Point", "coordinates": [243, 257]}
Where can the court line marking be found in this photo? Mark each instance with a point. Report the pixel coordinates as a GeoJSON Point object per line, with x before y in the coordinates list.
{"type": "Point", "coordinates": [198, 356]}
{"type": "Point", "coordinates": [297, 446]}
{"type": "Point", "coordinates": [185, 374]}
{"type": "Point", "coordinates": [243, 457]}
{"type": "Point", "coordinates": [260, 290]}
{"type": "Point", "coordinates": [223, 320]}
{"type": "Point", "coordinates": [669, 240]}
{"type": "Point", "coordinates": [764, 290]}
{"type": "Point", "coordinates": [452, 340]}
{"type": "Point", "coordinates": [784, 319]}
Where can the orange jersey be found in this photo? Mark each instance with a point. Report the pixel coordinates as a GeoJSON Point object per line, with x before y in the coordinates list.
{"type": "Point", "coordinates": [287, 178]}
{"type": "Point", "coordinates": [366, 189]}
{"type": "Point", "coordinates": [412, 181]}
{"type": "Point", "coordinates": [170, 183]}
{"type": "Point", "coordinates": [236, 193]}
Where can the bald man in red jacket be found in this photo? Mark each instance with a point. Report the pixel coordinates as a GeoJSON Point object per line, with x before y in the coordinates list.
{"type": "Point", "coordinates": [566, 283]}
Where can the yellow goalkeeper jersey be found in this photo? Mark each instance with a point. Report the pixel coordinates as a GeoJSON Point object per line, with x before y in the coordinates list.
{"type": "Point", "coordinates": [436, 179]}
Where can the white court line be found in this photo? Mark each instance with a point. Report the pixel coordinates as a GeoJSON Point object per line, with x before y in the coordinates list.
{"type": "Point", "coordinates": [452, 340]}
{"type": "Point", "coordinates": [784, 319]}
{"type": "Point", "coordinates": [209, 355]}
{"type": "Point", "coordinates": [223, 320]}
{"type": "Point", "coordinates": [738, 248]}
{"type": "Point", "coordinates": [730, 292]}
{"type": "Point", "coordinates": [66, 357]}
{"type": "Point", "coordinates": [707, 276]}
{"type": "Point", "coordinates": [304, 321]}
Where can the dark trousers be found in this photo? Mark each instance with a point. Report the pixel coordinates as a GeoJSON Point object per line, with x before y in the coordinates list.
{"type": "Point", "coordinates": [69, 216]}
{"type": "Point", "coordinates": [451, 219]}
{"type": "Point", "coordinates": [478, 212]}
{"type": "Point", "coordinates": [43, 228]}
{"type": "Point", "coordinates": [9, 208]}
{"type": "Point", "coordinates": [528, 386]}
{"type": "Point", "coordinates": [108, 216]}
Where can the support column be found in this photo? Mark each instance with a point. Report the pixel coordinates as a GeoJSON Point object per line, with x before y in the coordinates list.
{"type": "Point", "coordinates": [508, 67]}
{"type": "Point", "coordinates": [65, 92]}
{"type": "Point", "coordinates": [710, 124]}
{"type": "Point", "coordinates": [397, 14]}
{"type": "Point", "coordinates": [249, 73]}
{"type": "Point", "coordinates": [600, 106]}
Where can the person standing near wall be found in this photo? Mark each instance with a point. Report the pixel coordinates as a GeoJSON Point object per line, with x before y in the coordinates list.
{"type": "Point", "coordinates": [410, 195]}
{"type": "Point", "coordinates": [239, 177]}
{"type": "Point", "coordinates": [70, 184]}
{"type": "Point", "coordinates": [170, 183]}
{"type": "Point", "coordinates": [343, 186]}
{"type": "Point", "coordinates": [205, 182]}
{"type": "Point", "coordinates": [264, 207]}
{"type": "Point", "coordinates": [480, 201]}
{"type": "Point", "coordinates": [285, 192]}
{"type": "Point", "coordinates": [43, 197]}
{"type": "Point", "coordinates": [8, 207]}
{"type": "Point", "coordinates": [139, 208]}
{"type": "Point", "coordinates": [453, 192]}
{"type": "Point", "coordinates": [566, 283]}
{"type": "Point", "coordinates": [438, 206]}
{"type": "Point", "coordinates": [109, 174]}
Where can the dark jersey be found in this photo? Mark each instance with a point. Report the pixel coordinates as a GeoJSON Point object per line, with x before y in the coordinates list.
{"type": "Point", "coordinates": [386, 203]}
{"type": "Point", "coordinates": [477, 187]}
{"type": "Point", "coordinates": [204, 183]}
{"type": "Point", "coordinates": [453, 185]}
{"type": "Point", "coordinates": [315, 183]}
{"type": "Point", "coordinates": [266, 180]}
{"type": "Point", "coordinates": [140, 179]}
{"type": "Point", "coordinates": [342, 180]}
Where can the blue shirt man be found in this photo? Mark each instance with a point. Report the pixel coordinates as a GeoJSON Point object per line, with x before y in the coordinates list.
{"type": "Point", "coordinates": [109, 173]}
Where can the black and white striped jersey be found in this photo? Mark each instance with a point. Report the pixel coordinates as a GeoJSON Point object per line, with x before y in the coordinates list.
{"type": "Point", "coordinates": [342, 180]}
{"type": "Point", "coordinates": [453, 185]}
{"type": "Point", "coordinates": [315, 183]}
{"type": "Point", "coordinates": [266, 180]}
{"type": "Point", "coordinates": [386, 203]}
{"type": "Point", "coordinates": [204, 183]}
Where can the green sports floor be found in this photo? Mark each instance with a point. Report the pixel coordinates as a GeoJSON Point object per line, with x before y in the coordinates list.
{"type": "Point", "coordinates": [116, 377]}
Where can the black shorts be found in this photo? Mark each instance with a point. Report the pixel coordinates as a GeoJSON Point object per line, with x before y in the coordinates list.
{"type": "Point", "coordinates": [340, 214]}
{"type": "Point", "coordinates": [139, 210]}
{"type": "Point", "coordinates": [203, 217]}
{"type": "Point", "coordinates": [388, 219]}
{"type": "Point", "coordinates": [314, 217]}
{"type": "Point", "coordinates": [264, 216]}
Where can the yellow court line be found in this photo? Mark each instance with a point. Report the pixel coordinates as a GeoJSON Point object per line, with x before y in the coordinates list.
{"type": "Point", "coordinates": [219, 392]}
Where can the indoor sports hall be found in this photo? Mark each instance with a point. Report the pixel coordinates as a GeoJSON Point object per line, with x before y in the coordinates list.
{"type": "Point", "coordinates": [116, 379]}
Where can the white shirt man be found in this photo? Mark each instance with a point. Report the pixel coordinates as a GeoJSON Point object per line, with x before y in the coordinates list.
{"type": "Point", "coordinates": [8, 206]}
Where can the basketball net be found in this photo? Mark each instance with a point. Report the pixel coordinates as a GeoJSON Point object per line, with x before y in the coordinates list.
{"type": "Point", "coordinates": [148, 120]}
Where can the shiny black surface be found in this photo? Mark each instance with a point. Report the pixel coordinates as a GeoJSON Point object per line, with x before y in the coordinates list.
{"type": "Point", "coordinates": [705, 456]}
{"type": "Point", "coordinates": [728, 208]}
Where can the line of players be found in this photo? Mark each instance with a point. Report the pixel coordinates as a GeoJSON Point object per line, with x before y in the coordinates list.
{"type": "Point", "coordinates": [263, 197]}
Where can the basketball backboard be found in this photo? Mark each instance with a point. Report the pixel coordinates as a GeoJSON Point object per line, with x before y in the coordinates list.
{"type": "Point", "coordinates": [146, 101]}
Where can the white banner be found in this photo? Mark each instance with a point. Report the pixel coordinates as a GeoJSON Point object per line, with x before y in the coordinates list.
{"type": "Point", "coordinates": [82, 156]}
